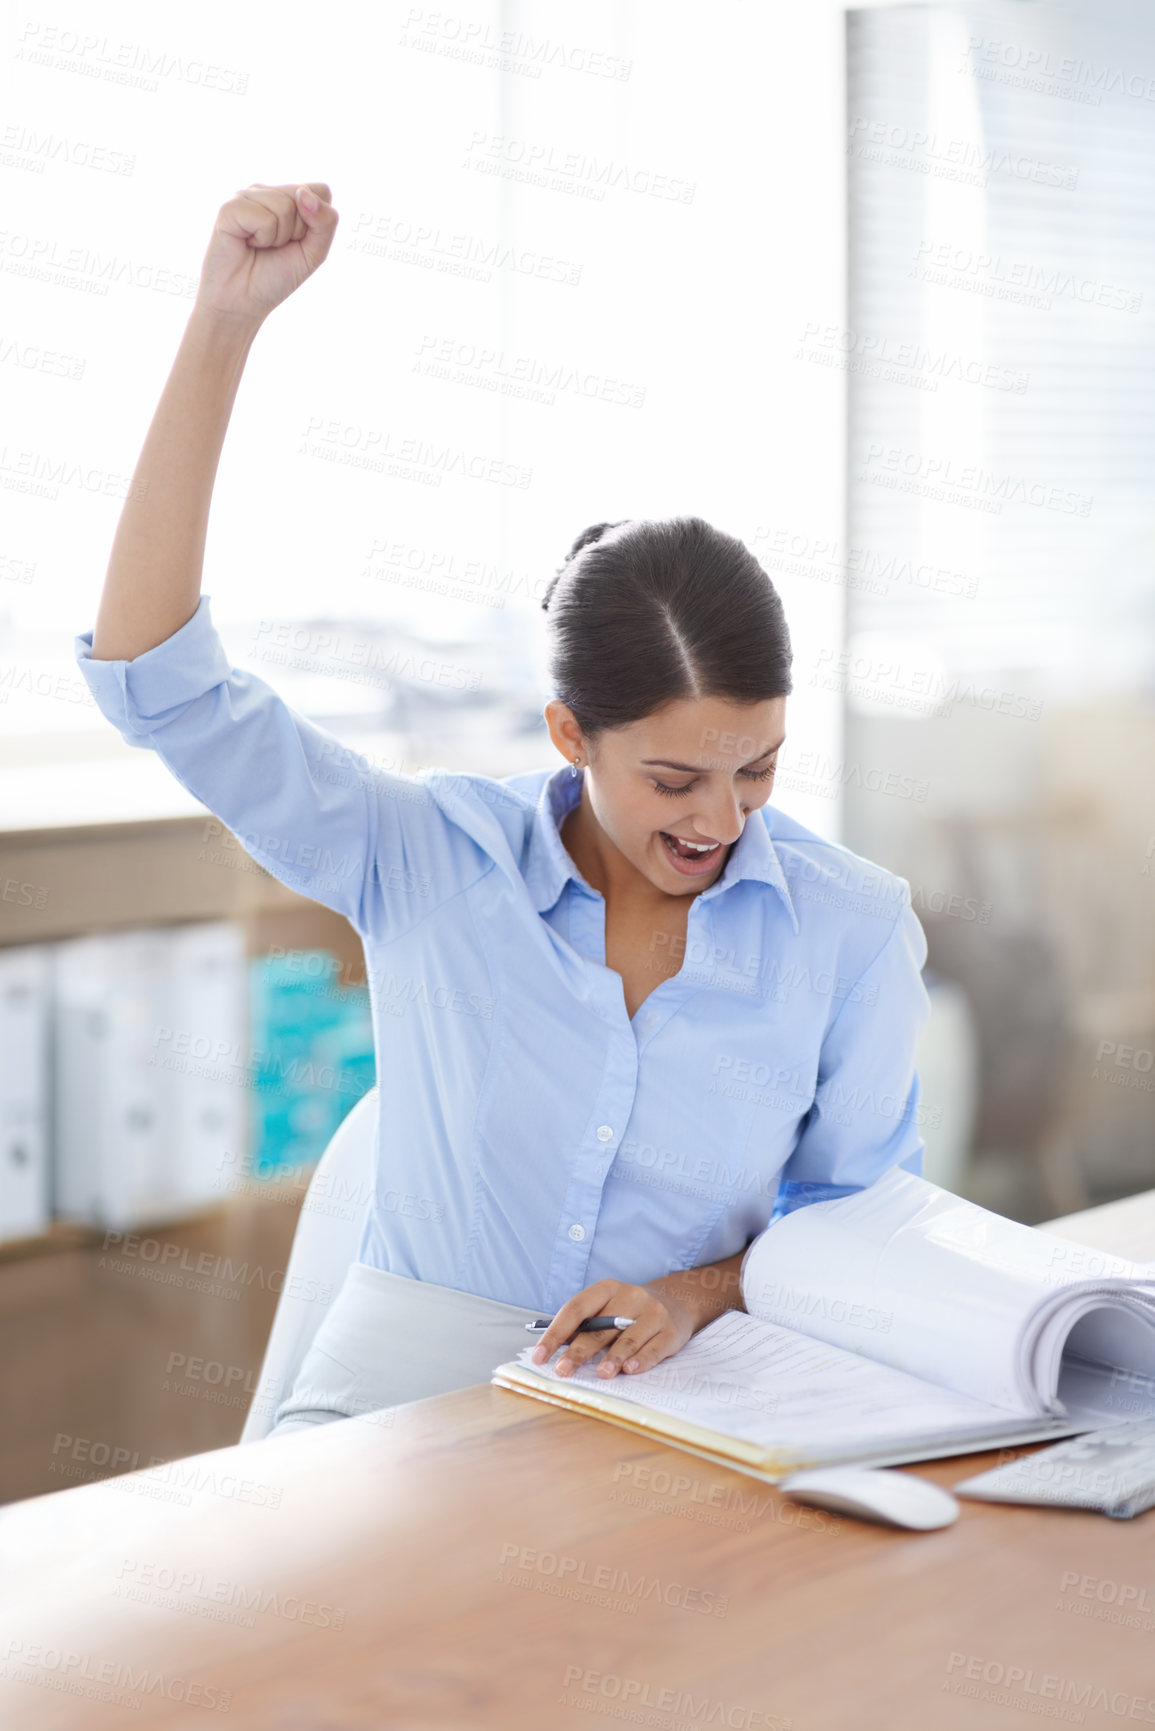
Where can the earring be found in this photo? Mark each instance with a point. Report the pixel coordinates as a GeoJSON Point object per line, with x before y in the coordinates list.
{"type": "Point", "coordinates": [573, 768]}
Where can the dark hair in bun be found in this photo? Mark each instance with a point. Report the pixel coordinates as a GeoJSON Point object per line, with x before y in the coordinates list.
{"type": "Point", "coordinates": [642, 613]}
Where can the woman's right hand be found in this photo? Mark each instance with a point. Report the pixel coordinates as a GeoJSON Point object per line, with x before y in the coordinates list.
{"type": "Point", "coordinates": [264, 245]}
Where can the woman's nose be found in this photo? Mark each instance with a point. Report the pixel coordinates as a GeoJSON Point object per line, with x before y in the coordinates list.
{"type": "Point", "coordinates": [722, 820]}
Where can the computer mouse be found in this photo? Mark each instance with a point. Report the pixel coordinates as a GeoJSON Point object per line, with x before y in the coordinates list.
{"type": "Point", "coordinates": [874, 1494]}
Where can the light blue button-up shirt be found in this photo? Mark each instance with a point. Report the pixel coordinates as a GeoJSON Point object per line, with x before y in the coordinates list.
{"type": "Point", "coordinates": [532, 1136]}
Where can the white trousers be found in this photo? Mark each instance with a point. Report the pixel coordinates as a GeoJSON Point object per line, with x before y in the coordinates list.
{"type": "Point", "coordinates": [388, 1339]}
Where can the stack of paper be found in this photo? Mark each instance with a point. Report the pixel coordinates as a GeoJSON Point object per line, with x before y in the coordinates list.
{"type": "Point", "coordinates": [897, 1324]}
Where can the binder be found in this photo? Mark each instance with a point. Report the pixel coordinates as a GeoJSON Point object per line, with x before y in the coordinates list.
{"type": "Point", "coordinates": [208, 1065]}
{"type": "Point", "coordinates": [108, 1146]}
{"type": "Point", "coordinates": [25, 978]}
{"type": "Point", "coordinates": [150, 1073]}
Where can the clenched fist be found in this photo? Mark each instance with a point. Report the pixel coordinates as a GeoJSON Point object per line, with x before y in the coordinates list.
{"type": "Point", "coordinates": [266, 241]}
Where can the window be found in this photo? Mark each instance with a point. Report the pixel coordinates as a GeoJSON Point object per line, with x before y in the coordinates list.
{"type": "Point", "coordinates": [560, 292]}
{"type": "Point", "coordinates": [1000, 663]}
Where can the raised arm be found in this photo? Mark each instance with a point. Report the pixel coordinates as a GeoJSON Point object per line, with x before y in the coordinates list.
{"type": "Point", "coordinates": [265, 242]}
{"type": "Point", "coordinates": [373, 845]}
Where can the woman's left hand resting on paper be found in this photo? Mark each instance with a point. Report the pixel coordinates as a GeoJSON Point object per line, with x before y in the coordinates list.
{"type": "Point", "coordinates": [666, 1312]}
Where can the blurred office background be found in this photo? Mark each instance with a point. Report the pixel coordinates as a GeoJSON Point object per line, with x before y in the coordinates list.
{"type": "Point", "coordinates": [872, 289]}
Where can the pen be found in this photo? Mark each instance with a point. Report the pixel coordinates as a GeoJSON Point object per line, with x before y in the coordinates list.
{"type": "Point", "coordinates": [588, 1326]}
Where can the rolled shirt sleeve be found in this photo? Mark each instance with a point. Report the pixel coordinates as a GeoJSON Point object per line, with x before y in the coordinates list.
{"type": "Point", "coordinates": [864, 1118]}
{"type": "Point", "coordinates": [303, 805]}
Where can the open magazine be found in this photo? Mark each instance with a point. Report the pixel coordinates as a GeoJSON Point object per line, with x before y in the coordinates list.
{"type": "Point", "coordinates": [898, 1324]}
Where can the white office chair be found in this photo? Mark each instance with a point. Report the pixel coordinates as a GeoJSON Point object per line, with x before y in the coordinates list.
{"type": "Point", "coordinates": [326, 1241]}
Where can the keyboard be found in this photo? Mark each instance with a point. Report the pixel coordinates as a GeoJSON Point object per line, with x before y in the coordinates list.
{"type": "Point", "coordinates": [1110, 1471]}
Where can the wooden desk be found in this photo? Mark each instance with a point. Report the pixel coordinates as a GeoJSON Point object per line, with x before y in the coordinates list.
{"type": "Point", "coordinates": [478, 1560]}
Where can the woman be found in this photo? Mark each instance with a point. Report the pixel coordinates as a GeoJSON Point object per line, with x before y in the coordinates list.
{"type": "Point", "coordinates": [624, 1010]}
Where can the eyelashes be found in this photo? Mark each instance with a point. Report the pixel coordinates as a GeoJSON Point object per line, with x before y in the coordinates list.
{"type": "Point", "coordinates": [750, 774]}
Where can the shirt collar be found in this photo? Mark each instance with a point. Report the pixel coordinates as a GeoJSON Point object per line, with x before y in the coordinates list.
{"type": "Point", "coordinates": [549, 866]}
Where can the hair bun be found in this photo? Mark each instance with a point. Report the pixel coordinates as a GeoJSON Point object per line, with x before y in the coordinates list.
{"type": "Point", "coordinates": [593, 533]}
{"type": "Point", "coordinates": [585, 539]}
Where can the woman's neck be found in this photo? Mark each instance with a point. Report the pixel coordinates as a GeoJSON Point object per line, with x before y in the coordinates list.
{"type": "Point", "coordinates": [603, 865]}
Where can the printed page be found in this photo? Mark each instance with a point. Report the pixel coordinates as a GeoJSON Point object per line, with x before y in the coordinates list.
{"type": "Point", "coordinates": [771, 1386]}
{"type": "Point", "coordinates": [908, 1274]}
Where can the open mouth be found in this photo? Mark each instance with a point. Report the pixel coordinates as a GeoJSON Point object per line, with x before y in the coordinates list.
{"type": "Point", "coordinates": [688, 855]}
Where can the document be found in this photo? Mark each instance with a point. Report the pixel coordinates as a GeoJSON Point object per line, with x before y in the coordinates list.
{"type": "Point", "coordinates": [901, 1323]}
{"type": "Point", "coordinates": [920, 1279]}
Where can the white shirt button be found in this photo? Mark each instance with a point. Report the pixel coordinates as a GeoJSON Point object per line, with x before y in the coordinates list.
{"type": "Point", "coordinates": [605, 1134]}
{"type": "Point", "coordinates": [577, 1233]}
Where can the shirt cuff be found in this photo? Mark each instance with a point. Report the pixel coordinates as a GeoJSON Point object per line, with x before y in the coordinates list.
{"type": "Point", "coordinates": [139, 696]}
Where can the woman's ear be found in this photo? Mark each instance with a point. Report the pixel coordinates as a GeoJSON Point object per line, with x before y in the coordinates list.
{"type": "Point", "coordinates": [563, 729]}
